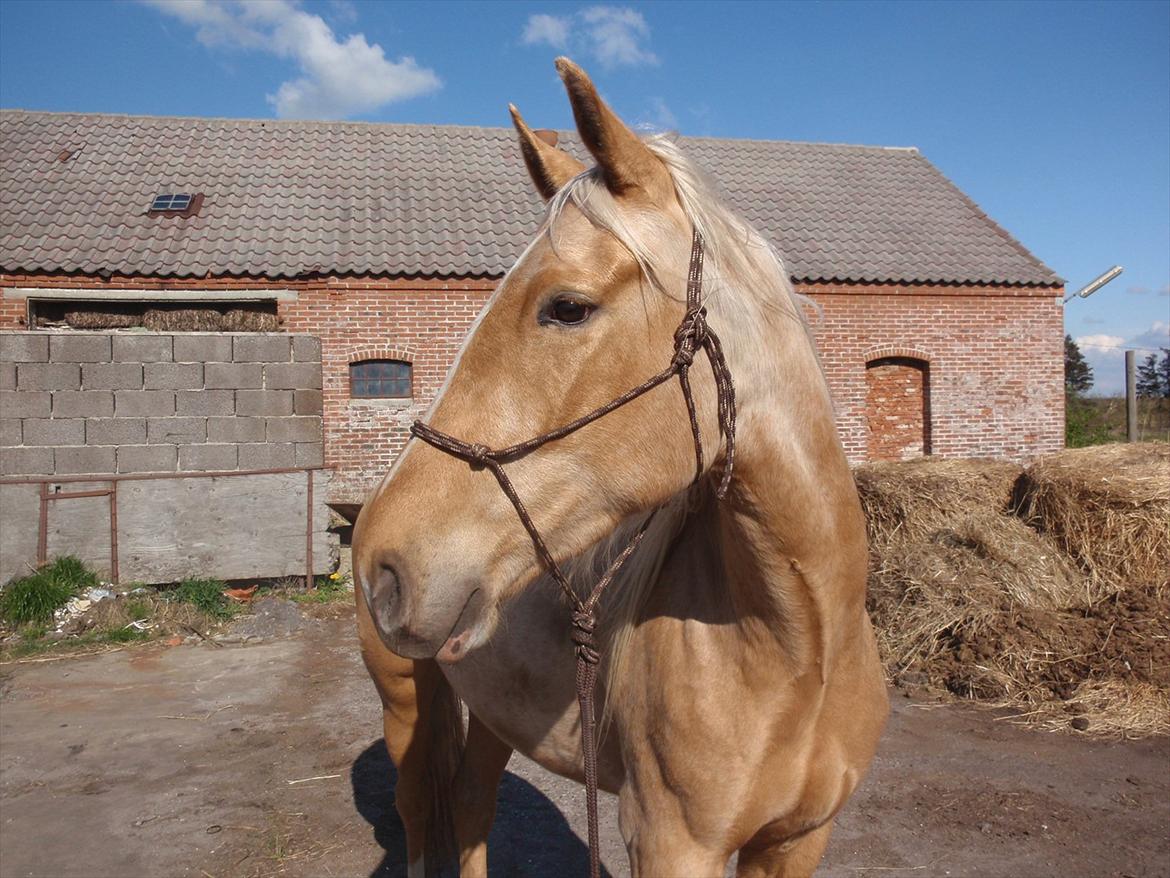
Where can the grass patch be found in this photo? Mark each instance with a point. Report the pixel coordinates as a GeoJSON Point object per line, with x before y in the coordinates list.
{"type": "Point", "coordinates": [329, 589]}
{"type": "Point", "coordinates": [205, 595]}
{"type": "Point", "coordinates": [32, 599]}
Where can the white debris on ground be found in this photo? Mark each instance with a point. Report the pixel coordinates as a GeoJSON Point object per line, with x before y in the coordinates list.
{"type": "Point", "coordinates": [80, 604]}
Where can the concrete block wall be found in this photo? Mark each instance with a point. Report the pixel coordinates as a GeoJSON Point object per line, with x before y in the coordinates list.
{"type": "Point", "coordinates": [98, 403]}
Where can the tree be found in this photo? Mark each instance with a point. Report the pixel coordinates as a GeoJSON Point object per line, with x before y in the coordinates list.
{"type": "Point", "coordinates": [1078, 374]}
{"type": "Point", "coordinates": [1149, 381]}
{"type": "Point", "coordinates": [1164, 372]}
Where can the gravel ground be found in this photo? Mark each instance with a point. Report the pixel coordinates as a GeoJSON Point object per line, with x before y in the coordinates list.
{"type": "Point", "coordinates": [265, 759]}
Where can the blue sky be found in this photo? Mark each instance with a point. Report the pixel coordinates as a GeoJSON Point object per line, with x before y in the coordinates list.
{"type": "Point", "coordinates": [1055, 117]}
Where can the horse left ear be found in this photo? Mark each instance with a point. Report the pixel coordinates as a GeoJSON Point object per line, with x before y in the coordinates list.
{"type": "Point", "coordinates": [626, 163]}
{"type": "Point", "coordinates": [549, 167]}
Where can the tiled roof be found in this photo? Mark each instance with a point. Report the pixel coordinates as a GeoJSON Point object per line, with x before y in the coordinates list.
{"type": "Point", "coordinates": [285, 198]}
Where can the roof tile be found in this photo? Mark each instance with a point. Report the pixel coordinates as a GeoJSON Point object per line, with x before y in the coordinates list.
{"type": "Point", "coordinates": [281, 197]}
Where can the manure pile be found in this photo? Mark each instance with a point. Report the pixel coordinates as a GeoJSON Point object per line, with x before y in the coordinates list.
{"type": "Point", "coordinates": [1046, 589]}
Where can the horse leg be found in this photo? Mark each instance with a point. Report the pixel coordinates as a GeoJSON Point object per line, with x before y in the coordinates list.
{"type": "Point", "coordinates": [762, 857]}
{"type": "Point", "coordinates": [659, 842]}
{"type": "Point", "coordinates": [423, 729]}
{"type": "Point", "coordinates": [476, 784]}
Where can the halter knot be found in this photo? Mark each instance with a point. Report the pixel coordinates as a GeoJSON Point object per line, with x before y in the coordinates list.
{"type": "Point", "coordinates": [584, 624]}
{"type": "Point", "coordinates": [478, 453]}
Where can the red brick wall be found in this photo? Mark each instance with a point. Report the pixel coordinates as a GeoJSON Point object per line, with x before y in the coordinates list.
{"type": "Point", "coordinates": [995, 356]}
{"type": "Point", "coordinates": [898, 424]}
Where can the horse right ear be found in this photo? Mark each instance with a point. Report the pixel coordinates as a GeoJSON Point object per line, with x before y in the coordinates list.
{"type": "Point", "coordinates": [549, 167]}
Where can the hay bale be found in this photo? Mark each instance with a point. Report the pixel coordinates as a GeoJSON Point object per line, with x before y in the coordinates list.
{"type": "Point", "coordinates": [183, 320]}
{"type": "Point", "coordinates": [1108, 507]}
{"type": "Point", "coordinates": [246, 320]}
{"type": "Point", "coordinates": [913, 499]}
{"type": "Point", "coordinates": [102, 319]}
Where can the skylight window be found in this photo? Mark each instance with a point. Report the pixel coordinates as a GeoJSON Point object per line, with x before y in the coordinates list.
{"type": "Point", "coordinates": [171, 202]}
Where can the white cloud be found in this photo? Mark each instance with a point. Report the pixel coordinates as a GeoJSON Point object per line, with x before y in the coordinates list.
{"type": "Point", "coordinates": [549, 30]}
{"type": "Point", "coordinates": [614, 35]}
{"type": "Point", "coordinates": [661, 117]}
{"type": "Point", "coordinates": [339, 78]}
{"type": "Point", "coordinates": [1106, 354]}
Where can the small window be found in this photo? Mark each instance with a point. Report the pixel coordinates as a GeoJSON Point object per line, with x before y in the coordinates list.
{"type": "Point", "coordinates": [171, 202]}
{"type": "Point", "coordinates": [380, 379]}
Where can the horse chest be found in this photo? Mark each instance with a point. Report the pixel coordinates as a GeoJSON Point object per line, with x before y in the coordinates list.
{"type": "Point", "coordinates": [521, 684]}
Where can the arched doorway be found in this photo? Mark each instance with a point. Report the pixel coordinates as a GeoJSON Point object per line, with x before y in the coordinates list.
{"type": "Point", "coordinates": [897, 408]}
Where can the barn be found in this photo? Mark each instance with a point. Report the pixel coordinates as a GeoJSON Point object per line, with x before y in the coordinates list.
{"type": "Point", "coordinates": [373, 246]}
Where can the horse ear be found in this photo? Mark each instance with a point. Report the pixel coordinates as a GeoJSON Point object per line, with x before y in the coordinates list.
{"type": "Point", "coordinates": [625, 161]}
{"type": "Point", "coordinates": [550, 168]}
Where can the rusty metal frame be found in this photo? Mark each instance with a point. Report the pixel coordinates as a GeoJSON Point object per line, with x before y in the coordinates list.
{"type": "Point", "coordinates": [45, 498]}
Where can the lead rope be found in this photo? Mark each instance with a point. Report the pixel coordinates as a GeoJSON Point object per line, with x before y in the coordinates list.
{"type": "Point", "coordinates": [692, 335]}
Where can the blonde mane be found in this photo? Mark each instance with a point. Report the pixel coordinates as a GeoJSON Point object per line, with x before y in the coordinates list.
{"type": "Point", "coordinates": [745, 287]}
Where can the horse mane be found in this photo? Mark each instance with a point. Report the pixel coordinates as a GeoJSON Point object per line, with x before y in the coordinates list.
{"type": "Point", "coordinates": [746, 287]}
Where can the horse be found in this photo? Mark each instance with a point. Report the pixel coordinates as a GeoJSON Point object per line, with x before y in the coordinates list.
{"type": "Point", "coordinates": [742, 689]}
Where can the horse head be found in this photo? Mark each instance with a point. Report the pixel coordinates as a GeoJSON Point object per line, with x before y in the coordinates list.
{"type": "Point", "coordinates": [581, 318]}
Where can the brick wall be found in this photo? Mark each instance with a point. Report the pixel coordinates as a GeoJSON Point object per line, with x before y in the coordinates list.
{"type": "Point", "coordinates": [995, 356]}
{"type": "Point", "coordinates": [896, 392]}
{"type": "Point", "coordinates": [98, 403]}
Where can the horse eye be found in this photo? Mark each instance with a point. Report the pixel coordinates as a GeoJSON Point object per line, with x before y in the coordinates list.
{"type": "Point", "coordinates": [569, 311]}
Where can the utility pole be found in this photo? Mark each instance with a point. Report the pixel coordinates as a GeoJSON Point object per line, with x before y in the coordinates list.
{"type": "Point", "coordinates": [1131, 419]}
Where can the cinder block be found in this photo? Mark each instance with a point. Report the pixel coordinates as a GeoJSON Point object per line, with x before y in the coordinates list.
{"type": "Point", "coordinates": [205, 402]}
{"type": "Point", "coordinates": [48, 376]}
{"type": "Point", "coordinates": [83, 403]}
{"type": "Point", "coordinates": [203, 348]}
{"type": "Point", "coordinates": [207, 458]}
{"type": "Point", "coordinates": [25, 403]}
{"type": "Point", "coordinates": [294, 429]}
{"type": "Point", "coordinates": [310, 454]}
{"type": "Point", "coordinates": [146, 458]}
{"type": "Point", "coordinates": [84, 459]}
{"type": "Point", "coordinates": [292, 376]}
{"type": "Point", "coordinates": [260, 348]}
{"type": "Point", "coordinates": [267, 455]}
{"type": "Point", "coordinates": [274, 403]}
{"type": "Point", "coordinates": [307, 402]}
{"type": "Point", "coordinates": [10, 433]}
{"type": "Point", "coordinates": [7, 376]}
{"type": "Point", "coordinates": [115, 431]}
{"type": "Point", "coordinates": [26, 461]}
{"type": "Point", "coordinates": [23, 347]}
{"type": "Point", "coordinates": [235, 429]}
{"type": "Point", "coordinates": [306, 349]}
{"type": "Point", "coordinates": [54, 431]}
{"type": "Point", "coordinates": [79, 348]}
{"type": "Point", "coordinates": [176, 431]}
{"type": "Point", "coordinates": [173, 376]}
{"type": "Point", "coordinates": [144, 403]}
{"type": "Point", "coordinates": [234, 376]}
{"type": "Point", "coordinates": [111, 376]}
{"type": "Point", "coordinates": [143, 349]}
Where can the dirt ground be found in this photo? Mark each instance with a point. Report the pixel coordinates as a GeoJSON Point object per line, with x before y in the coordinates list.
{"type": "Point", "coordinates": [265, 759]}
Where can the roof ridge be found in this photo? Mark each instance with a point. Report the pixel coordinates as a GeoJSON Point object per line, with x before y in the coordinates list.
{"type": "Point", "coordinates": [312, 123]}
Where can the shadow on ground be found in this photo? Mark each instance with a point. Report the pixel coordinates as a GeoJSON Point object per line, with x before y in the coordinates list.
{"type": "Point", "coordinates": [530, 838]}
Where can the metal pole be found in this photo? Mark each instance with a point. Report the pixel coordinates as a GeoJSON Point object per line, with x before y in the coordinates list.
{"type": "Point", "coordinates": [1131, 419]}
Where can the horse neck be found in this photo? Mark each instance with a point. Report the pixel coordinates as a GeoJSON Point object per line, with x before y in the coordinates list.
{"type": "Point", "coordinates": [791, 542]}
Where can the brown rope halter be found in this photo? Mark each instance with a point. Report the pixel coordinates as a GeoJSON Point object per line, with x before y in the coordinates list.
{"type": "Point", "coordinates": [692, 334]}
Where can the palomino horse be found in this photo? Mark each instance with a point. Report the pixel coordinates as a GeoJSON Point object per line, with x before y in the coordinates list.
{"type": "Point", "coordinates": [742, 689]}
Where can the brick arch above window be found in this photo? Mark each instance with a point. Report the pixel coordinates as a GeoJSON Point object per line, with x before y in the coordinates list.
{"type": "Point", "coordinates": [884, 351]}
{"type": "Point", "coordinates": [357, 355]}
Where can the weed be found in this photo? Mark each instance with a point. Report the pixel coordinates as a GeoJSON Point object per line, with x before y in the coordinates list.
{"type": "Point", "coordinates": [125, 635]}
{"type": "Point", "coordinates": [138, 609]}
{"type": "Point", "coordinates": [34, 598]}
{"type": "Point", "coordinates": [205, 595]}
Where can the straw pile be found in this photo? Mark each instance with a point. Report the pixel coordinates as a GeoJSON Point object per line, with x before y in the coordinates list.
{"type": "Point", "coordinates": [968, 598]}
{"type": "Point", "coordinates": [111, 319]}
{"type": "Point", "coordinates": [1108, 507]}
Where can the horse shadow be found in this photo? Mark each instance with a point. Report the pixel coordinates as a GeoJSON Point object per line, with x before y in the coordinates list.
{"type": "Point", "coordinates": [530, 837]}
